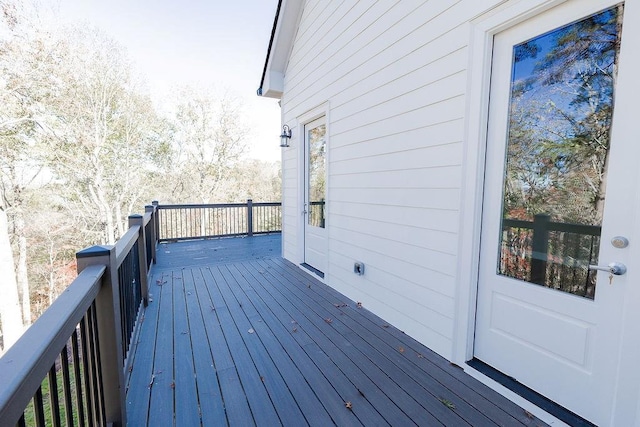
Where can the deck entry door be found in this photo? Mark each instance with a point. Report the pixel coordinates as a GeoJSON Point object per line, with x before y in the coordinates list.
{"type": "Point", "coordinates": [543, 316]}
{"type": "Point", "coordinates": [315, 233]}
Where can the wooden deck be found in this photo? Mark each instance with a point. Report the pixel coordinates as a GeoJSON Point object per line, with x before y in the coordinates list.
{"type": "Point", "coordinates": [235, 335]}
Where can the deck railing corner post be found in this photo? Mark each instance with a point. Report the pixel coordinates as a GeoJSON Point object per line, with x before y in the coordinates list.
{"type": "Point", "coordinates": [249, 217]}
{"type": "Point", "coordinates": [138, 220]}
{"type": "Point", "coordinates": [154, 236]}
{"type": "Point", "coordinates": [156, 219]}
{"type": "Point", "coordinates": [109, 333]}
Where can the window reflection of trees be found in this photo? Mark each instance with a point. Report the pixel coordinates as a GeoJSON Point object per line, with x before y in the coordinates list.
{"type": "Point", "coordinates": [317, 176]}
{"type": "Point", "coordinates": [561, 107]}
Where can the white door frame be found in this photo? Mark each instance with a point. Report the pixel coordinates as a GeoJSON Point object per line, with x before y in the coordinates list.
{"type": "Point", "coordinates": [482, 30]}
{"type": "Point", "coordinates": [302, 120]}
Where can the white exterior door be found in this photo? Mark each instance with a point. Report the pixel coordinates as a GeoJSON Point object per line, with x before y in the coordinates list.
{"type": "Point", "coordinates": [315, 193]}
{"type": "Point", "coordinates": [555, 198]}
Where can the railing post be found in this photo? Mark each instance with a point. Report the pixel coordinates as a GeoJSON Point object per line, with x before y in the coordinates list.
{"type": "Point", "coordinates": [142, 257]}
{"type": "Point", "coordinates": [250, 217]}
{"type": "Point", "coordinates": [540, 248]}
{"type": "Point", "coordinates": [154, 235]}
{"type": "Point", "coordinates": [109, 332]}
{"type": "Point", "coordinates": [156, 219]}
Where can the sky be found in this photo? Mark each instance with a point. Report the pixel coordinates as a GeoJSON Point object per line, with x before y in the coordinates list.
{"type": "Point", "coordinates": [217, 43]}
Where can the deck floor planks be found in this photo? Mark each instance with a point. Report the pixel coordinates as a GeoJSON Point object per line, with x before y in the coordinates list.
{"type": "Point", "coordinates": [142, 366]}
{"type": "Point", "coordinates": [321, 331]}
{"type": "Point", "coordinates": [387, 360]}
{"type": "Point", "coordinates": [256, 394]}
{"type": "Point", "coordinates": [233, 394]}
{"type": "Point", "coordinates": [221, 288]}
{"type": "Point", "coordinates": [278, 391]}
{"type": "Point", "coordinates": [210, 401]}
{"type": "Point", "coordinates": [280, 369]}
{"type": "Point", "coordinates": [450, 376]}
{"type": "Point", "coordinates": [304, 377]}
{"type": "Point", "coordinates": [342, 382]}
{"type": "Point", "coordinates": [388, 393]}
{"type": "Point", "coordinates": [161, 405]}
{"type": "Point", "coordinates": [184, 386]}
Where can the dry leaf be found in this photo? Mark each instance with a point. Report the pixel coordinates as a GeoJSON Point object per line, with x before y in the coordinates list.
{"type": "Point", "coordinates": [251, 330]}
{"type": "Point", "coordinates": [420, 356]}
{"type": "Point", "coordinates": [401, 349]}
{"type": "Point", "coordinates": [348, 405]}
{"type": "Point", "coordinates": [261, 378]}
{"type": "Point", "coordinates": [328, 320]}
{"type": "Point", "coordinates": [449, 404]}
{"type": "Point", "coordinates": [294, 330]}
{"type": "Point", "coordinates": [385, 326]}
{"type": "Point", "coordinates": [359, 304]}
{"type": "Point", "coordinates": [528, 414]}
{"type": "Point", "coordinates": [339, 305]}
{"type": "Point", "coordinates": [173, 384]}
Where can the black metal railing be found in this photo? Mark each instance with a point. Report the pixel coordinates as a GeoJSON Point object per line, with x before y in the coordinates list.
{"type": "Point", "coordinates": [193, 221]}
{"type": "Point", "coordinates": [552, 254]}
{"type": "Point", "coordinates": [72, 363]}
{"type": "Point", "coordinates": [54, 372]}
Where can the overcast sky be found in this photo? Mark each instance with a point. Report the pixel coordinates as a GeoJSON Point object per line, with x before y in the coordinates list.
{"type": "Point", "coordinates": [206, 42]}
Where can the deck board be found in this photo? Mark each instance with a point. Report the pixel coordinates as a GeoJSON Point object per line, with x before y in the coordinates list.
{"type": "Point", "coordinates": [235, 335]}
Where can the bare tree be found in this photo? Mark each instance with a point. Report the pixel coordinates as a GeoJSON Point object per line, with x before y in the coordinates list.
{"type": "Point", "coordinates": [210, 140]}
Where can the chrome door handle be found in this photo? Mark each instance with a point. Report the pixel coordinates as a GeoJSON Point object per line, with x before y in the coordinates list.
{"type": "Point", "coordinates": [615, 268]}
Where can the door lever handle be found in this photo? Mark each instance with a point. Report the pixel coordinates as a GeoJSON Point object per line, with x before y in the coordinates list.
{"type": "Point", "coordinates": [615, 268]}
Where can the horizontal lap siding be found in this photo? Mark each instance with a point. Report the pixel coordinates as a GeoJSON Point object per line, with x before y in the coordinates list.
{"type": "Point", "coordinates": [394, 76]}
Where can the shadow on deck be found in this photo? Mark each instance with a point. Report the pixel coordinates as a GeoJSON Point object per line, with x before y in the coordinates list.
{"type": "Point", "coordinates": [235, 335]}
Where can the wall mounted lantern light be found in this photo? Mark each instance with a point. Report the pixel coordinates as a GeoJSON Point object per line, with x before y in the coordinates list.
{"type": "Point", "coordinates": [285, 136]}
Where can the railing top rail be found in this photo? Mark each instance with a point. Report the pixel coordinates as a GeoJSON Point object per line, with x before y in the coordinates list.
{"type": "Point", "coordinates": [592, 230]}
{"type": "Point", "coordinates": [25, 364]}
{"type": "Point", "coordinates": [206, 206]}
{"type": "Point", "coordinates": [216, 205]}
{"type": "Point", "coordinates": [146, 217]}
{"type": "Point", "coordinates": [126, 242]}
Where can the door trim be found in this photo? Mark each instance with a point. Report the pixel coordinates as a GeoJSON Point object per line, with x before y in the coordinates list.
{"type": "Point", "coordinates": [303, 120]}
{"type": "Point", "coordinates": [483, 29]}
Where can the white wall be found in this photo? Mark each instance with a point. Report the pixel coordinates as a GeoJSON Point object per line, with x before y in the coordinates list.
{"type": "Point", "coordinates": [394, 76]}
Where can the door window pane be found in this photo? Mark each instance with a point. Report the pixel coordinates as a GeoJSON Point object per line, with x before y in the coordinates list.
{"type": "Point", "coordinates": [317, 175]}
{"type": "Point", "coordinates": [554, 189]}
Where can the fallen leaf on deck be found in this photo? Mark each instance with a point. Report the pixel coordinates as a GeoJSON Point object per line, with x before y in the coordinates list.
{"type": "Point", "coordinates": [420, 356]}
{"type": "Point", "coordinates": [261, 378]}
{"type": "Point", "coordinates": [528, 414]}
{"type": "Point", "coordinates": [340, 305]}
{"type": "Point", "coordinates": [385, 326]}
{"type": "Point", "coordinates": [173, 384]}
{"type": "Point", "coordinates": [348, 405]}
{"type": "Point", "coordinates": [401, 349]}
{"type": "Point", "coordinates": [251, 330]}
{"type": "Point", "coordinates": [449, 404]}
{"type": "Point", "coordinates": [359, 304]}
{"type": "Point", "coordinates": [294, 330]}
{"type": "Point", "coordinates": [328, 320]}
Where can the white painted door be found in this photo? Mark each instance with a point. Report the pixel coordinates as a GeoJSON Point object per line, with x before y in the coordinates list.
{"type": "Point", "coordinates": [555, 195]}
{"type": "Point", "coordinates": [315, 194]}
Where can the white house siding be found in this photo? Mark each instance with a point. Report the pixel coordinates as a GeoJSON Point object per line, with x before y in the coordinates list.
{"type": "Point", "coordinates": [394, 76]}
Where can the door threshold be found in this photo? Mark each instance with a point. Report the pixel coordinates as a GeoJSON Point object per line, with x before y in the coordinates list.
{"type": "Point", "coordinates": [312, 269]}
{"type": "Point", "coordinates": [544, 403]}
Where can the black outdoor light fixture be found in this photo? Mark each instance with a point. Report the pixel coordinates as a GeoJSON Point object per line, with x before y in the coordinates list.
{"type": "Point", "coordinates": [285, 136]}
